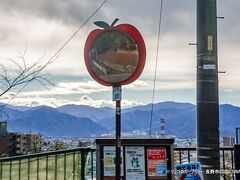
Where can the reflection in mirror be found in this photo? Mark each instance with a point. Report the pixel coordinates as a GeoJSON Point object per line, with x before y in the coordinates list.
{"type": "Point", "coordinates": [114, 56]}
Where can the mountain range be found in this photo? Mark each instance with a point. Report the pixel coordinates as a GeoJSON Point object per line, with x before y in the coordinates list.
{"type": "Point", "coordinates": [87, 121]}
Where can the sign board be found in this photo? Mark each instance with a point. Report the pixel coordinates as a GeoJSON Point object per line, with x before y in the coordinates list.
{"type": "Point", "coordinates": [138, 155]}
{"type": "Point", "coordinates": [135, 163]}
{"type": "Point", "coordinates": [110, 160]}
{"type": "Point", "coordinates": [157, 161]}
{"type": "Point", "coordinates": [117, 93]}
{"type": "Point", "coordinates": [189, 170]}
{"type": "Point", "coordinates": [209, 66]}
{"type": "Point", "coordinates": [210, 43]}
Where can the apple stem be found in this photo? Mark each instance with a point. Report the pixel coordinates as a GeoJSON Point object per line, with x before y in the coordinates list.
{"type": "Point", "coordinates": [114, 22]}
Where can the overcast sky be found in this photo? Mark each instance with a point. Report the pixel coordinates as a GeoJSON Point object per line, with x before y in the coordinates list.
{"type": "Point", "coordinates": [42, 26]}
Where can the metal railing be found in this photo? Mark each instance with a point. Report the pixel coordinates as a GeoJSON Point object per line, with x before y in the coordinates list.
{"type": "Point", "coordinates": [80, 164]}
{"type": "Point", "coordinates": [185, 155]}
{"type": "Point", "coordinates": [73, 164]}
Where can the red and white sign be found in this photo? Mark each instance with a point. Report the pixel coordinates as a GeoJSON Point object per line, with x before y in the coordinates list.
{"type": "Point", "coordinates": [156, 161]}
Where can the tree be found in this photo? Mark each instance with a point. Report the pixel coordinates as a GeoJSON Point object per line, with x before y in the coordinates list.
{"type": "Point", "coordinates": [23, 74]}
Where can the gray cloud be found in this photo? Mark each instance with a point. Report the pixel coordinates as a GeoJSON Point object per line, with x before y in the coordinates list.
{"type": "Point", "coordinates": [57, 19]}
{"type": "Point", "coordinates": [70, 11]}
{"type": "Point", "coordinates": [175, 12]}
{"type": "Point", "coordinates": [178, 16]}
{"type": "Point", "coordinates": [141, 12]}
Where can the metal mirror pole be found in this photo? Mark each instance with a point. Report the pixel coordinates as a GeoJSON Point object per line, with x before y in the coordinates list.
{"type": "Point", "coordinates": [117, 97]}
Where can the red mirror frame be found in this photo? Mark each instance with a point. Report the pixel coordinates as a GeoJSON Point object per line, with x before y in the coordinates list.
{"type": "Point", "coordinates": [133, 33]}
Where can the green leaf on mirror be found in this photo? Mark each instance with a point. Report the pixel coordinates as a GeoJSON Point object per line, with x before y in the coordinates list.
{"type": "Point", "coordinates": [101, 24]}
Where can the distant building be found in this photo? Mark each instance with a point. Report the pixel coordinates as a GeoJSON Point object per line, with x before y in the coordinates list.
{"type": "Point", "coordinates": [27, 143]}
{"type": "Point", "coordinates": [4, 148]}
{"type": "Point", "coordinates": [12, 144]}
{"type": "Point", "coordinates": [162, 128]}
{"type": "Point", "coordinates": [8, 145]}
{"type": "Point", "coordinates": [7, 141]}
{"type": "Point", "coordinates": [228, 141]}
{"type": "Point", "coordinates": [238, 135]}
{"type": "Point", "coordinates": [3, 128]}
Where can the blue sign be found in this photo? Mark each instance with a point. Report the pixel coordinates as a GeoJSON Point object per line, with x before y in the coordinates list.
{"type": "Point", "coordinates": [162, 170]}
{"type": "Point", "coordinates": [191, 171]}
{"type": "Point", "coordinates": [117, 93]}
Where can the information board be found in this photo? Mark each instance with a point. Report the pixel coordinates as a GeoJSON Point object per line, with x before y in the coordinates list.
{"type": "Point", "coordinates": [157, 162]}
{"type": "Point", "coordinates": [135, 163]}
{"type": "Point", "coordinates": [110, 160]}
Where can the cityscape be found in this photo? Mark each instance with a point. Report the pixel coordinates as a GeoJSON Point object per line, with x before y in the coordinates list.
{"type": "Point", "coordinates": [27, 142]}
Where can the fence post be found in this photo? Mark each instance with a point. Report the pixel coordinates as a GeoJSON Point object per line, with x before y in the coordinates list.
{"type": "Point", "coordinates": [83, 163]}
{"type": "Point", "coordinates": [19, 169]}
{"type": "Point", "coordinates": [47, 167]}
{"type": "Point", "coordinates": [189, 158]}
{"type": "Point", "coordinates": [237, 159]}
{"type": "Point", "coordinates": [1, 171]}
{"type": "Point", "coordinates": [74, 165]}
{"type": "Point", "coordinates": [28, 168]}
{"type": "Point", "coordinates": [37, 168]}
{"type": "Point", "coordinates": [92, 165]}
{"type": "Point", "coordinates": [180, 157]}
{"type": "Point", "coordinates": [10, 171]}
{"type": "Point", "coordinates": [56, 156]}
{"type": "Point", "coordinates": [65, 166]}
{"type": "Point", "coordinates": [224, 175]}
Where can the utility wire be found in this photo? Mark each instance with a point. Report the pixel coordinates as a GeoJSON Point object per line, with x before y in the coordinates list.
{"type": "Point", "coordinates": [156, 63]}
{"type": "Point", "coordinates": [57, 53]}
{"type": "Point", "coordinates": [71, 37]}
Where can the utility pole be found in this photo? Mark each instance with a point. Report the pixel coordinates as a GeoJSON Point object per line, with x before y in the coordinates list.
{"type": "Point", "coordinates": [207, 89]}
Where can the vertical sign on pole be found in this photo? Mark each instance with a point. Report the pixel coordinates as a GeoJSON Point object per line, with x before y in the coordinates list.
{"type": "Point", "coordinates": [117, 95]}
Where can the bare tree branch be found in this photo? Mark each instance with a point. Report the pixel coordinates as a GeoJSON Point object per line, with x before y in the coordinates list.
{"type": "Point", "coordinates": [24, 73]}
